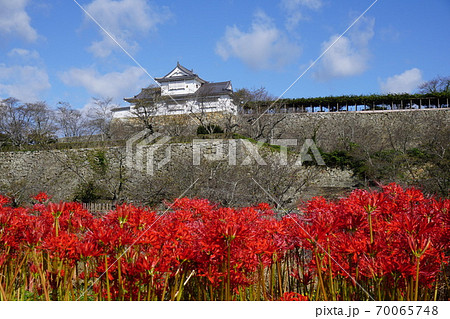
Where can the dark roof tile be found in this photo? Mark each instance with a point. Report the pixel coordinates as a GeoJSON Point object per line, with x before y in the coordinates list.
{"type": "Point", "coordinates": [215, 88]}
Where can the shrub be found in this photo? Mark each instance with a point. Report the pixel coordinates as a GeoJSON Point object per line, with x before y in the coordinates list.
{"type": "Point", "coordinates": [209, 129]}
{"type": "Point", "coordinates": [87, 192]}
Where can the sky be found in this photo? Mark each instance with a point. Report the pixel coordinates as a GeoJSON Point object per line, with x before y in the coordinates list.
{"type": "Point", "coordinates": [51, 50]}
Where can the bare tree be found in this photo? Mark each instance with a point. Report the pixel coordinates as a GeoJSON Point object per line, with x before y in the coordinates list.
{"type": "Point", "coordinates": [147, 105]}
{"type": "Point", "coordinates": [251, 99]}
{"type": "Point", "coordinates": [230, 123]}
{"type": "Point", "coordinates": [177, 125]}
{"type": "Point", "coordinates": [71, 122]}
{"type": "Point", "coordinates": [100, 117]}
{"type": "Point", "coordinates": [242, 184]}
{"type": "Point", "coordinates": [41, 123]}
{"type": "Point", "coordinates": [260, 123]}
{"type": "Point", "coordinates": [12, 121]}
{"type": "Point", "coordinates": [200, 107]}
{"type": "Point", "coordinates": [436, 85]}
{"type": "Point", "coordinates": [29, 123]}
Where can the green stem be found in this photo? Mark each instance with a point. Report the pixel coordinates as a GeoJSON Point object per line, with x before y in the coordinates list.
{"type": "Point", "coordinates": [378, 280]}
{"type": "Point", "coordinates": [436, 290]}
{"type": "Point", "coordinates": [165, 287]}
{"type": "Point", "coordinates": [56, 226]}
{"type": "Point", "coordinates": [370, 227]}
{"type": "Point", "coordinates": [331, 274]}
{"type": "Point", "coordinates": [107, 278]}
{"type": "Point", "coordinates": [3, 293]}
{"type": "Point", "coordinates": [41, 276]}
{"type": "Point", "coordinates": [181, 287]}
{"type": "Point", "coordinates": [228, 293]}
{"type": "Point", "coordinates": [319, 273]}
{"type": "Point", "coordinates": [119, 270]}
{"type": "Point", "coordinates": [65, 285]}
{"type": "Point", "coordinates": [280, 283]}
{"type": "Point", "coordinates": [416, 295]}
{"type": "Point", "coordinates": [262, 282]}
{"type": "Point", "coordinates": [85, 281]}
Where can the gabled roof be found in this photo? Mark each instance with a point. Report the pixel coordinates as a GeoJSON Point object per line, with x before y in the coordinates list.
{"type": "Point", "coordinates": [185, 74]}
{"type": "Point", "coordinates": [206, 90]}
{"type": "Point", "coordinates": [181, 68]}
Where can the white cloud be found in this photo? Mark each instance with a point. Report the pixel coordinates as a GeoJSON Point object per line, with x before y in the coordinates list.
{"type": "Point", "coordinates": [123, 19]}
{"type": "Point", "coordinates": [295, 8]}
{"type": "Point", "coordinates": [24, 54]}
{"type": "Point", "coordinates": [116, 85]}
{"type": "Point", "coordinates": [350, 55]}
{"type": "Point", "coordinates": [25, 83]}
{"type": "Point", "coordinates": [14, 20]}
{"type": "Point", "coordinates": [405, 82]}
{"type": "Point", "coordinates": [263, 47]}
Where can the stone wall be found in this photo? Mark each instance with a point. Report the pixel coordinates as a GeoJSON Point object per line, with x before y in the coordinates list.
{"type": "Point", "coordinates": [382, 129]}
{"type": "Point", "coordinates": [58, 172]}
{"type": "Point", "coordinates": [330, 130]}
{"type": "Point", "coordinates": [61, 173]}
{"type": "Point", "coordinates": [182, 124]}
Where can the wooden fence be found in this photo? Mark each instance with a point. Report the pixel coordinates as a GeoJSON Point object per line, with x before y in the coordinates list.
{"type": "Point", "coordinates": [99, 208]}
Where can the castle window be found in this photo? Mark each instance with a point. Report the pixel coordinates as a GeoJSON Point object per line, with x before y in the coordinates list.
{"type": "Point", "coordinates": [173, 86]}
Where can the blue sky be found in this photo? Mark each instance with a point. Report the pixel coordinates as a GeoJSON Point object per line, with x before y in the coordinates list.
{"type": "Point", "coordinates": [52, 51]}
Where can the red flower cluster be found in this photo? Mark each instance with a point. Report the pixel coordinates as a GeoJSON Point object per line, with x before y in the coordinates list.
{"type": "Point", "coordinates": [293, 296]}
{"type": "Point", "coordinates": [386, 241]}
{"type": "Point", "coordinates": [3, 200]}
{"type": "Point", "coordinates": [42, 197]}
{"type": "Point", "coordinates": [387, 245]}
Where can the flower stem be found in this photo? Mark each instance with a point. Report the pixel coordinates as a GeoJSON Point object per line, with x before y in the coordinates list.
{"type": "Point", "coordinates": [319, 273]}
{"type": "Point", "coordinates": [107, 278]}
{"type": "Point", "coordinates": [416, 289]}
{"type": "Point", "coordinates": [228, 294]}
{"type": "Point", "coordinates": [370, 228]}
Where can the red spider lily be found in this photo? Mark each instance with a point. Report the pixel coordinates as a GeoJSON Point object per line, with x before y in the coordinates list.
{"type": "Point", "coordinates": [3, 258]}
{"type": "Point", "coordinates": [88, 249]}
{"type": "Point", "coordinates": [201, 250]}
{"type": "Point", "coordinates": [42, 197]}
{"type": "Point", "coordinates": [370, 201]}
{"type": "Point", "coordinates": [319, 220]}
{"type": "Point", "coordinates": [393, 190]}
{"type": "Point", "coordinates": [198, 206]}
{"type": "Point", "coordinates": [4, 200]}
{"type": "Point", "coordinates": [293, 296]}
{"type": "Point", "coordinates": [63, 246]}
{"type": "Point", "coordinates": [34, 231]}
{"type": "Point", "coordinates": [265, 209]}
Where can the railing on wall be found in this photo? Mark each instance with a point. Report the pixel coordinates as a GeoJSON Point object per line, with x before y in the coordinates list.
{"type": "Point", "coordinates": [328, 105]}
